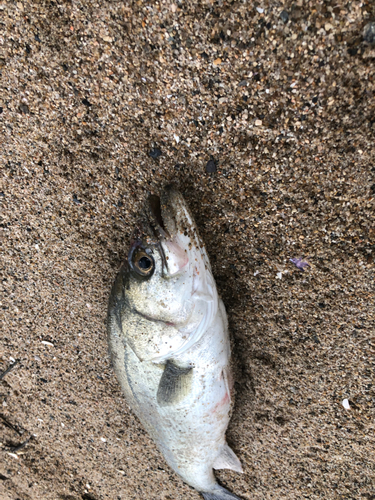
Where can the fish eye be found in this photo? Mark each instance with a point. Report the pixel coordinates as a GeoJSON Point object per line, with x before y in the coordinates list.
{"type": "Point", "coordinates": [143, 263]}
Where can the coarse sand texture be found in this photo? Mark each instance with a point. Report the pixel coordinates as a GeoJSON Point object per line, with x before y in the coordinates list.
{"type": "Point", "coordinates": [263, 115]}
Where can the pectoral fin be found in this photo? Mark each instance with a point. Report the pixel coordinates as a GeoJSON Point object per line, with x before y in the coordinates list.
{"type": "Point", "coordinates": [174, 385]}
{"type": "Point", "coordinates": [227, 459]}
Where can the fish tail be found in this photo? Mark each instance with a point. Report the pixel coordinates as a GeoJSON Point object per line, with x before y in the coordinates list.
{"type": "Point", "coordinates": [219, 493]}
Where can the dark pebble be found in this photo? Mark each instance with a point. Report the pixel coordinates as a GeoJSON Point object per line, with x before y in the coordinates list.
{"type": "Point", "coordinates": [1, 110]}
{"type": "Point", "coordinates": [86, 102]}
{"type": "Point", "coordinates": [155, 153]}
{"type": "Point", "coordinates": [211, 167]}
{"type": "Point", "coordinates": [369, 33]}
{"type": "Point", "coordinates": [24, 108]}
{"type": "Point", "coordinates": [89, 496]}
{"type": "Point", "coordinates": [296, 14]}
{"type": "Point", "coordinates": [76, 200]}
{"type": "Point", "coordinates": [284, 16]}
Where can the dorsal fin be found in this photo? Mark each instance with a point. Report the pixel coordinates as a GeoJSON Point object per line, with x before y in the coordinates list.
{"type": "Point", "coordinates": [227, 459]}
{"type": "Point", "coordinates": [175, 384]}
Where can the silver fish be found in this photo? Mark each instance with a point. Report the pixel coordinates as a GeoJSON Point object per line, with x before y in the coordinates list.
{"type": "Point", "coordinates": [169, 344]}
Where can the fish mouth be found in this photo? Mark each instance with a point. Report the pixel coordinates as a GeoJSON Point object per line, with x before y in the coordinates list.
{"type": "Point", "coordinates": [167, 225]}
{"type": "Point", "coordinates": [170, 221]}
{"type": "Point", "coordinates": [169, 216]}
{"type": "Point", "coordinates": [155, 217]}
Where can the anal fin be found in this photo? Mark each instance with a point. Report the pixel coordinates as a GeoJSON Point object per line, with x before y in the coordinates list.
{"type": "Point", "coordinates": [227, 459]}
{"type": "Point", "coordinates": [175, 384]}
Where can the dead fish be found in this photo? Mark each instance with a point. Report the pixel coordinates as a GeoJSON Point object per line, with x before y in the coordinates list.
{"type": "Point", "coordinates": [169, 344]}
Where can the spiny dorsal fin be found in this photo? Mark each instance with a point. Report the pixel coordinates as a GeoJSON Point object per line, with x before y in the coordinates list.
{"type": "Point", "coordinates": [174, 385]}
{"type": "Point", "coordinates": [227, 459]}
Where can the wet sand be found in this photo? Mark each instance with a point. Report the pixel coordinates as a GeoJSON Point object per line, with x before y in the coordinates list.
{"type": "Point", "coordinates": [103, 103]}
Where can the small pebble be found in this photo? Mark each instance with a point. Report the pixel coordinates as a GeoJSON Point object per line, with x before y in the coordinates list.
{"type": "Point", "coordinates": [211, 167]}
{"type": "Point", "coordinates": [24, 109]}
{"type": "Point", "coordinates": [369, 33]}
{"type": "Point", "coordinates": [284, 16]}
{"type": "Point", "coordinates": [346, 404]}
{"type": "Point", "coordinates": [86, 102]}
{"type": "Point", "coordinates": [155, 153]}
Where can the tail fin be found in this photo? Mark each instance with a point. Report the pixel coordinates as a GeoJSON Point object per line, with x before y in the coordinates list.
{"type": "Point", "coordinates": [219, 493]}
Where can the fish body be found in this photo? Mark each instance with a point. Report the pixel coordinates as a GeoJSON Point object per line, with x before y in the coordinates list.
{"type": "Point", "coordinates": [169, 344]}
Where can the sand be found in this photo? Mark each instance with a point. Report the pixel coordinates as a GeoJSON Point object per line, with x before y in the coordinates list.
{"type": "Point", "coordinates": [263, 114]}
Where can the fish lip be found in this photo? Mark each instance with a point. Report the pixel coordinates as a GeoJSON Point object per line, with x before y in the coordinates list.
{"type": "Point", "coordinates": [162, 212]}
{"type": "Point", "coordinates": [154, 209]}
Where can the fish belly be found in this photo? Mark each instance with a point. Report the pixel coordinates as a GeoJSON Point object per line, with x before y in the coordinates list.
{"type": "Point", "coordinates": [191, 433]}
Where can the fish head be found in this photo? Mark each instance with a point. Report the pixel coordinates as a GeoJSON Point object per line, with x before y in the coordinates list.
{"type": "Point", "coordinates": [168, 274]}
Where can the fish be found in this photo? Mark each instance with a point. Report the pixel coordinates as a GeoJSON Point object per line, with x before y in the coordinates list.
{"type": "Point", "coordinates": [169, 344]}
